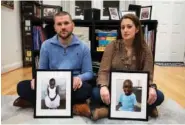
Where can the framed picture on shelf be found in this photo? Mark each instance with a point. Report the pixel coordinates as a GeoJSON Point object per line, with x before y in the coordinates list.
{"type": "Point", "coordinates": [53, 94]}
{"type": "Point", "coordinates": [8, 4]}
{"type": "Point", "coordinates": [136, 8]}
{"type": "Point", "coordinates": [127, 12]}
{"type": "Point", "coordinates": [113, 12]}
{"type": "Point", "coordinates": [146, 13]}
{"type": "Point", "coordinates": [48, 11]}
{"type": "Point", "coordinates": [128, 91]}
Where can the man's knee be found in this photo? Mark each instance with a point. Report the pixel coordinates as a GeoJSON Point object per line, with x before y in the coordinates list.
{"type": "Point", "coordinates": [22, 87]}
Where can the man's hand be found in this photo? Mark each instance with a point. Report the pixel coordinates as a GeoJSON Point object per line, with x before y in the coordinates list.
{"type": "Point", "coordinates": [77, 83]}
{"type": "Point", "coordinates": [152, 96]}
{"type": "Point", "coordinates": [32, 84]}
{"type": "Point", "coordinates": [105, 96]}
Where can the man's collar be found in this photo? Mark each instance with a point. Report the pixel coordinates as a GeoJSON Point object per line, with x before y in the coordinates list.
{"type": "Point", "coordinates": [74, 41]}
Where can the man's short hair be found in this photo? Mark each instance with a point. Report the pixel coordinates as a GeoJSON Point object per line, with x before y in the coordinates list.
{"type": "Point", "coordinates": [62, 13]}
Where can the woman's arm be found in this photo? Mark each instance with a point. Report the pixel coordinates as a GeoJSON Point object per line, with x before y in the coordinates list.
{"type": "Point", "coordinates": [148, 63]}
{"type": "Point", "coordinates": [105, 65]}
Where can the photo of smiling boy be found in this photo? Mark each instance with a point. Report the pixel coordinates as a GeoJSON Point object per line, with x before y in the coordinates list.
{"type": "Point", "coordinates": [127, 100]}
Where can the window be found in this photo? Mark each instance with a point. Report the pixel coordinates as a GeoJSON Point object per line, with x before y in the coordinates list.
{"type": "Point", "coordinates": [80, 6]}
{"type": "Point", "coordinates": [107, 4]}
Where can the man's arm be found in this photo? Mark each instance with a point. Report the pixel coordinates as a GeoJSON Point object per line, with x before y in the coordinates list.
{"type": "Point", "coordinates": [44, 59]}
{"type": "Point", "coordinates": [87, 72]}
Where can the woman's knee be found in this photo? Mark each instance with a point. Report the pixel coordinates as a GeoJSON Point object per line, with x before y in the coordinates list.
{"type": "Point", "coordinates": [160, 97]}
{"type": "Point", "coordinates": [96, 94]}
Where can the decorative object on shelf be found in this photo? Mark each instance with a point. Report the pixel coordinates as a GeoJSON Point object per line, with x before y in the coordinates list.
{"type": "Point", "coordinates": [113, 12]}
{"type": "Point", "coordinates": [92, 14]}
{"type": "Point", "coordinates": [127, 12]}
{"type": "Point", "coordinates": [146, 13]}
{"type": "Point", "coordinates": [8, 4]}
{"type": "Point", "coordinates": [128, 93]}
{"type": "Point", "coordinates": [104, 38]}
{"type": "Point", "coordinates": [136, 8]}
{"type": "Point", "coordinates": [48, 11]}
{"type": "Point", "coordinates": [53, 94]}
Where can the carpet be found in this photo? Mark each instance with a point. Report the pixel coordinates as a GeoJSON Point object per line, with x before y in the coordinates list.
{"type": "Point", "coordinates": [171, 64]}
{"type": "Point", "coordinates": [169, 113]}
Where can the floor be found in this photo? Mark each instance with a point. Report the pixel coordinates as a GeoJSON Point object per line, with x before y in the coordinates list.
{"type": "Point", "coordinates": [170, 80]}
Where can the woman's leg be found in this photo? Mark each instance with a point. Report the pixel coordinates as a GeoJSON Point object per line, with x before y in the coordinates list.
{"type": "Point", "coordinates": [152, 110]}
{"type": "Point", "coordinates": [99, 109]}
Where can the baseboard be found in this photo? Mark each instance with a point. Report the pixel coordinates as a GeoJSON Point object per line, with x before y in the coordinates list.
{"type": "Point", "coordinates": [167, 62]}
{"type": "Point", "coordinates": [10, 67]}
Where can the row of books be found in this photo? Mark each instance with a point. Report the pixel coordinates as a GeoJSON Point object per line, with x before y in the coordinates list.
{"type": "Point", "coordinates": [104, 38]}
{"type": "Point", "coordinates": [38, 37]}
{"type": "Point", "coordinates": [149, 37]}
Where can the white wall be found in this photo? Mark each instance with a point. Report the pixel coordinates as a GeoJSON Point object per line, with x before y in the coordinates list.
{"type": "Point", "coordinates": [170, 36]}
{"type": "Point", "coordinates": [11, 46]}
{"type": "Point", "coordinates": [57, 3]}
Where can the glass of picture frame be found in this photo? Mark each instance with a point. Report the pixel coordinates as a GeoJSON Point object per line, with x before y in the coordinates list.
{"type": "Point", "coordinates": [48, 11]}
{"type": "Point", "coordinates": [129, 92]}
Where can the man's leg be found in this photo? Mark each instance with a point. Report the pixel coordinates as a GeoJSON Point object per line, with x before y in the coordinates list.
{"type": "Point", "coordinates": [27, 95]}
{"type": "Point", "coordinates": [80, 96]}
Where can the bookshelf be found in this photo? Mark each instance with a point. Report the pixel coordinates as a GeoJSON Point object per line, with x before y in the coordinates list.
{"type": "Point", "coordinates": [46, 29]}
{"type": "Point", "coordinates": [30, 12]}
{"type": "Point", "coordinates": [105, 25]}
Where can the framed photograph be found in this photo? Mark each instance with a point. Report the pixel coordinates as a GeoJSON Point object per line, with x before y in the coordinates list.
{"type": "Point", "coordinates": [48, 11]}
{"type": "Point", "coordinates": [127, 12]}
{"type": "Point", "coordinates": [113, 12]}
{"type": "Point", "coordinates": [53, 94]}
{"type": "Point", "coordinates": [129, 92]}
{"type": "Point", "coordinates": [8, 4]}
{"type": "Point", "coordinates": [136, 8]}
{"type": "Point", "coordinates": [146, 13]}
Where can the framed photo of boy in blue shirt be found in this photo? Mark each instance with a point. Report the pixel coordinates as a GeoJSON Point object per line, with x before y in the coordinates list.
{"type": "Point", "coordinates": [128, 93]}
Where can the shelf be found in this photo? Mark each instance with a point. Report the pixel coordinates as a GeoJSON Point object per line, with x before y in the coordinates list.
{"type": "Point", "coordinates": [36, 52]}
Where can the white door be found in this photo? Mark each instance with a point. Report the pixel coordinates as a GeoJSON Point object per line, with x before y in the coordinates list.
{"type": "Point", "coordinates": [170, 36]}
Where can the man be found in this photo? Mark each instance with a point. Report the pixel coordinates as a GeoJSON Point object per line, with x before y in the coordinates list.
{"type": "Point", "coordinates": [63, 51]}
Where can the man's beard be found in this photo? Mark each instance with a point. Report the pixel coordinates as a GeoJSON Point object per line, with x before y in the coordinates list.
{"type": "Point", "coordinates": [66, 37]}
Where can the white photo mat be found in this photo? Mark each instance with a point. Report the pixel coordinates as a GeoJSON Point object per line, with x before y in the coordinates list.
{"type": "Point", "coordinates": [42, 78]}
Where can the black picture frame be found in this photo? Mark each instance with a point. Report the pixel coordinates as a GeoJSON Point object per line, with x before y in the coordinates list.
{"type": "Point", "coordinates": [145, 13]}
{"type": "Point", "coordinates": [113, 13]}
{"type": "Point", "coordinates": [8, 4]}
{"type": "Point", "coordinates": [136, 8]}
{"type": "Point", "coordinates": [48, 11]}
{"type": "Point", "coordinates": [140, 81]}
{"type": "Point", "coordinates": [60, 105]}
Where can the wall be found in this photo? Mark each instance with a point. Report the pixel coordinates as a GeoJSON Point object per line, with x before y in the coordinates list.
{"type": "Point", "coordinates": [57, 3]}
{"type": "Point", "coordinates": [170, 36]}
{"type": "Point", "coordinates": [11, 48]}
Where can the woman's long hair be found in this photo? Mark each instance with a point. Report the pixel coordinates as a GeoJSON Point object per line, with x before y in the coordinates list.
{"type": "Point", "coordinates": [139, 44]}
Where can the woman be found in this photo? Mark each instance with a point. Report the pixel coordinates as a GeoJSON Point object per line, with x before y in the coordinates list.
{"type": "Point", "coordinates": [128, 52]}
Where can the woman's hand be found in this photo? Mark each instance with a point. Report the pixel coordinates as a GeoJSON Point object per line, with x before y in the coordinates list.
{"type": "Point", "coordinates": [105, 96]}
{"type": "Point", "coordinates": [32, 84]}
{"type": "Point", "coordinates": [152, 96]}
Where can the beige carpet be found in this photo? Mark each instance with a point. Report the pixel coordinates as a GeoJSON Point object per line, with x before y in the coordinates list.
{"type": "Point", "coordinates": [170, 113]}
